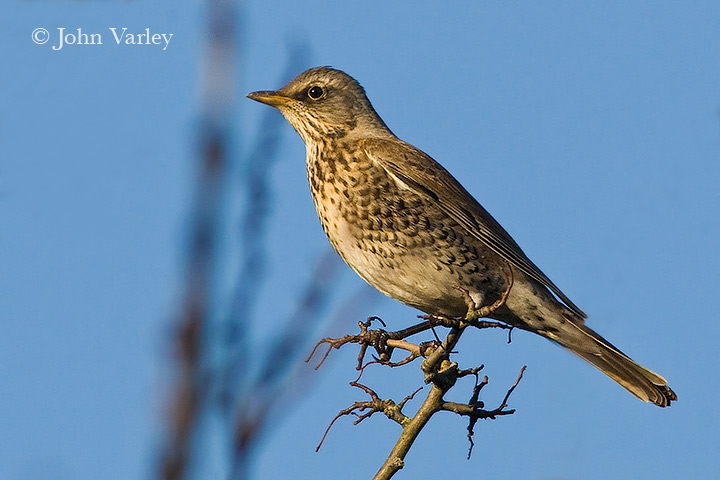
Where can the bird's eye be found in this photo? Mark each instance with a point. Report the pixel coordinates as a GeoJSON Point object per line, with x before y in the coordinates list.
{"type": "Point", "coordinates": [315, 92]}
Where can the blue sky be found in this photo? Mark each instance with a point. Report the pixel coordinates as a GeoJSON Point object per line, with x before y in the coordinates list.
{"type": "Point", "coordinates": [591, 132]}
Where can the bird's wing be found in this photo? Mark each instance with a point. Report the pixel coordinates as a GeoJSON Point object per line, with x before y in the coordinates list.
{"type": "Point", "coordinates": [419, 172]}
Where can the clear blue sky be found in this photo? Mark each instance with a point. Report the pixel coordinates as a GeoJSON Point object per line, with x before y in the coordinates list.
{"type": "Point", "coordinates": [591, 132]}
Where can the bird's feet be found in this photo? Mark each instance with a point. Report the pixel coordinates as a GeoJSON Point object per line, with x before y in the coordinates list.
{"type": "Point", "coordinates": [474, 312]}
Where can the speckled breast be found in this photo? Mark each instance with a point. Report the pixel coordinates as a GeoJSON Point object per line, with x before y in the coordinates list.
{"type": "Point", "coordinates": [398, 241]}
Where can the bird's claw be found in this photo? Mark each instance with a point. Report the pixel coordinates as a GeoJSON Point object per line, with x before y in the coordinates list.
{"type": "Point", "coordinates": [474, 312]}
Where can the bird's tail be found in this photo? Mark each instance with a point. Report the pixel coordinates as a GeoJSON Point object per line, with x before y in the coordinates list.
{"type": "Point", "coordinates": [647, 385]}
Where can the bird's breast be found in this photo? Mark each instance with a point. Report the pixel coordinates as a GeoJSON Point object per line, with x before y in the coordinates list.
{"type": "Point", "coordinates": [394, 238]}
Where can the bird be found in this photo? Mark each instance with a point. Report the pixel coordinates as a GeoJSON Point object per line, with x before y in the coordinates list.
{"type": "Point", "coordinates": [405, 225]}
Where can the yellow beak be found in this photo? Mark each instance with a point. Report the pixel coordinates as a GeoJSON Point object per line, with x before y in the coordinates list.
{"type": "Point", "coordinates": [274, 99]}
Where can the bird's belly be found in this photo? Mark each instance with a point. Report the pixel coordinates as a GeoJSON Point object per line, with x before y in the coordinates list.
{"type": "Point", "coordinates": [423, 263]}
{"type": "Point", "coordinates": [412, 277]}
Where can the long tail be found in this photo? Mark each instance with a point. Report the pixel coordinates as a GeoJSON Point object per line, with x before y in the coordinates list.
{"type": "Point", "coordinates": [647, 385]}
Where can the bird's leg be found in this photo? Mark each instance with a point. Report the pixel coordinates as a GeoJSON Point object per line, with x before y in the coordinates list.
{"type": "Point", "coordinates": [474, 312]}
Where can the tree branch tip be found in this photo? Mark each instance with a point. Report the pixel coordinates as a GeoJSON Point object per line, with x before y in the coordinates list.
{"type": "Point", "coordinates": [362, 371]}
{"type": "Point", "coordinates": [408, 398]}
{"type": "Point", "coordinates": [373, 318]}
{"type": "Point", "coordinates": [470, 371]}
{"type": "Point", "coordinates": [366, 389]}
{"type": "Point", "coordinates": [510, 391]}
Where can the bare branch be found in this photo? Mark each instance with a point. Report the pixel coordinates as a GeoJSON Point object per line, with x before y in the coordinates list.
{"type": "Point", "coordinates": [392, 410]}
{"type": "Point", "coordinates": [440, 372]}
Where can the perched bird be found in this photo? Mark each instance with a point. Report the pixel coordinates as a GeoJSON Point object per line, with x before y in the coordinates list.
{"type": "Point", "coordinates": [407, 227]}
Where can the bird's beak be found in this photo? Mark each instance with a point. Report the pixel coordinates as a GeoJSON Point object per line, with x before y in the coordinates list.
{"type": "Point", "coordinates": [274, 99]}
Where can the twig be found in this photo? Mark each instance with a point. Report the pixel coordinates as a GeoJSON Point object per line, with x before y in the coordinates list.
{"type": "Point", "coordinates": [391, 409]}
{"type": "Point", "coordinates": [383, 342]}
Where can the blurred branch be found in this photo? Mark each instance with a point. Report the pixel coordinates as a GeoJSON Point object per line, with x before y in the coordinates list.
{"type": "Point", "coordinates": [197, 299]}
{"type": "Point", "coordinates": [255, 178]}
{"type": "Point", "coordinates": [212, 153]}
{"type": "Point", "coordinates": [218, 372]}
{"type": "Point", "coordinates": [242, 394]}
{"type": "Point", "coordinates": [257, 400]}
{"type": "Point", "coordinates": [248, 396]}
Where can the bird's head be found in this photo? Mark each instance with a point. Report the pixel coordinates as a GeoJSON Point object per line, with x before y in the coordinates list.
{"type": "Point", "coordinates": [324, 102]}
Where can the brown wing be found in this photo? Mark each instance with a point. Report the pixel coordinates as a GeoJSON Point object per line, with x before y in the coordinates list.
{"type": "Point", "coordinates": [418, 171]}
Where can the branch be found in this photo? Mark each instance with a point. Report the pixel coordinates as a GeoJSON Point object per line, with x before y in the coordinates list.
{"type": "Point", "coordinates": [473, 408]}
{"type": "Point", "coordinates": [392, 410]}
{"type": "Point", "coordinates": [440, 372]}
{"type": "Point", "coordinates": [383, 342]}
